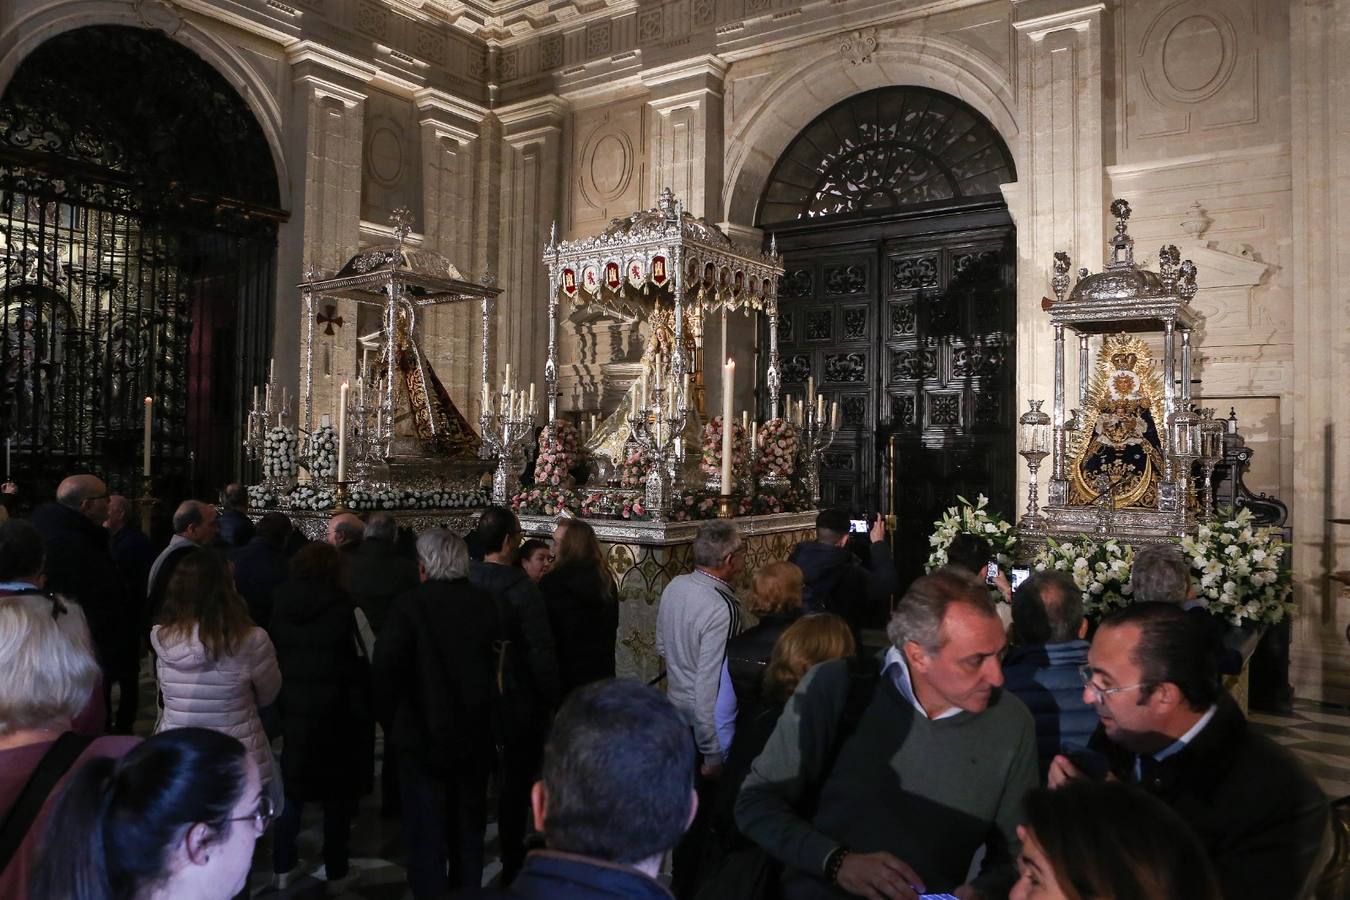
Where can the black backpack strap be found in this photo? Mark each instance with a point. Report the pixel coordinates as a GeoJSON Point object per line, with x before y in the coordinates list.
{"type": "Point", "coordinates": [55, 763]}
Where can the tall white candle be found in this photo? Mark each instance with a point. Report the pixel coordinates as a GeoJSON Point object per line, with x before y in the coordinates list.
{"type": "Point", "coordinates": [531, 395]}
{"type": "Point", "coordinates": [810, 387]}
{"type": "Point", "coordinates": [487, 398]}
{"type": "Point", "coordinates": [254, 408]}
{"type": "Point", "coordinates": [820, 408]}
{"type": "Point", "coordinates": [834, 416]}
{"type": "Point", "coordinates": [728, 420]}
{"type": "Point", "coordinates": [342, 433]}
{"type": "Point", "coordinates": [745, 420]}
{"type": "Point", "coordinates": [272, 369]}
{"type": "Point", "coordinates": [754, 438]}
{"type": "Point", "coordinates": [145, 449]}
{"type": "Point", "coordinates": [507, 381]}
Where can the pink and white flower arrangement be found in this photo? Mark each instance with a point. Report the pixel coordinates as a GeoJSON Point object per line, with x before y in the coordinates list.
{"type": "Point", "coordinates": [559, 453]}
{"type": "Point", "coordinates": [710, 462]}
{"type": "Point", "coordinates": [776, 455]}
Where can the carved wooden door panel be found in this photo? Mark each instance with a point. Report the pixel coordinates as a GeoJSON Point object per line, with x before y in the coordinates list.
{"type": "Point", "coordinates": [827, 331]}
{"type": "Point", "coordinates": [950, 390]}
{"type": "Point", "coordinates": [913, 337]}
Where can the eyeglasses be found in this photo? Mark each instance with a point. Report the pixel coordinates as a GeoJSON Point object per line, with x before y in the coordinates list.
{"type": "Point", "coordinates": [261, 817]}
{"type": "Point", "coordinates": [1101, 693]}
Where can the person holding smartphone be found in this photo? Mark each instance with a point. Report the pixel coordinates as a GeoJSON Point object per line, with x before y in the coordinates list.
{"type": "Point", "coordinates": [836, 581]}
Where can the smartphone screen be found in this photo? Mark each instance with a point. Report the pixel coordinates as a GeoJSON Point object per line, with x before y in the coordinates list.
{"type": "Point", "coordinates": [1019, 576]}
{"type": "Point", "coordinates": [992, 573]}
{"type": "Point", "coordinates": [858, 526]}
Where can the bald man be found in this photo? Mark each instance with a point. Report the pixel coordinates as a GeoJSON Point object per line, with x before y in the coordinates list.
{"type": "Point", "coordinates": [195, 525]}
{"type": "Point", "coordinates": [344, 531]}
{"type": "Point", "coordinates": [80, 566]}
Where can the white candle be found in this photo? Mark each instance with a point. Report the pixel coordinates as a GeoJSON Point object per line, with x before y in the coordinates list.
{"type": "Point", "coordinates": [531, 395]}
{"type": "Point", "coordinates": [728, 419]}
{"type": "Point", "coordinates": [507, 381]}
{"type": "Point", "coordinates": [635, 404]}
{"type": "Point", "coordinates": [272, 369]}
{"type": "Point", "coordinates": [487, 398]}
{"type": "Point", "coordinates": [834, 416]}
{"type": "Point", "coordinates": [754, 437]}
{"type": "Point", "coordinates": [255, 398]}
{"type": "Point", "coordinates": [658, 371]}
{"type": "Point", "coordinates": [644, 391]}
{"type": "Point", "coordinates": [342, 433]}
{"type": "Point", "coordinates": [145, 450]}
{"type": "Point", "coordinates": [267, 397]}
{"type": "Point", "coordinates": [745, 420]}
{"type": "Point", "coordinates": [592, 423]}
{"type": "Point", "coordinates": [810, 387]}
{"type": "Point", "coordinates": [820, 408]}
{"type": "Point", "coordinates": [325, 421]}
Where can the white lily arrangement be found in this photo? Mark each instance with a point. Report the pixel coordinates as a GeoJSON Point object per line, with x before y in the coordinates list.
{"type": "Point", "coordinates": [279, 453]}
{"type": "Point", "coordinates": [971, 518]}
{"type": "Point", "coordinates": [1100, 569]}
{"type": "Point", "coordinates": [1238, 569]}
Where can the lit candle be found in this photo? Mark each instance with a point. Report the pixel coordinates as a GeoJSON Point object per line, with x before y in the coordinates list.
{"type": "Point", "coordinates": [728, 388]}
{"type": "Point", "coordinates": [834, 416]}
{"type": "Point", "coordinates": [145, 450]}
{"type": "Point", "coordinates": [342, 433]}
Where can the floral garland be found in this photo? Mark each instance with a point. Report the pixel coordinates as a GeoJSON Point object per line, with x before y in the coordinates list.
{"type": "Point", "coordinates": [559, 453]}
{"type": "Point", "coordinates": [323, 445]}
{"type": "Point", "coordinates": [279, 453]}
{"type": "Point", "coordinates": [971, 518]}
{"type": "Point", "coordinates": [777, 450]}
{"type": "Point", "coordinates": [697, 505]}
{"type": "Point", "coordinates": [1238, 568]}
{"type": "Point", "coordinates": [711, 460]}
{"type": "Point", "coordinates": [636, 467]}
{"type": "Point", "coordinates": [546, 501]}
{"type": "Point", "coordinates": [1101, 571]}
{"type": "Point", "coordinates": [309, 497]}
{"type": "Point", "coordinates": [261, 497]}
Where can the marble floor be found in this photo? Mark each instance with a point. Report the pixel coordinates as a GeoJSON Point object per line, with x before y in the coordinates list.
{"type": "Point", "coordinates": [1318, 733]}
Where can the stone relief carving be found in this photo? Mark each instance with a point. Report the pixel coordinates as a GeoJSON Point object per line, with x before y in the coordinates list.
{"type": "Point", "coordinates": [597, 39]}
{"type": "Point", "coordinates": [372, 20]}
{"type": "Point", "coordinates": [551, 52]}
{"type": "Point", "coordinates": [650, 25]}
{"type": "Point", "coordinates": [509, 65]}
{"type": "Point", "coordinates": [859, 46]}
{"type": "Point", "coordinates": [702, 13]}
{"type": "Point", "coordinates": [429, 45]}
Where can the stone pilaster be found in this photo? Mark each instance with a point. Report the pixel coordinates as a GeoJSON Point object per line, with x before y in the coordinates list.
{"type": "Point", "coordinates": [1320, 45]}
{"type": "Point", "coordinates": [328, 123]}
{"type": "Point", "coordinates": [452, 335]}
{"type": "Point", "coordinates": [686, 132]}
{"type": "Point", "coordinates": [1057, 203]}
{"type": "Point", "coordinates": [531, 201]}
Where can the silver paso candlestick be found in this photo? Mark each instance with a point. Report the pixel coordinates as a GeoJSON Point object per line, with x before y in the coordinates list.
{"type": "Point", "coordinates": [654, 429]}
{"type": "Point", "coordinates": [506, 432]}
{"type": "Point", "coordinates": [817, 434]}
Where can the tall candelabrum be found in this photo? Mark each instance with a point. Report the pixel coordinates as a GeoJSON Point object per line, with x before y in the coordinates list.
{"type": "Point", "coordinates": [507, 430]}
{"type": "Point", "coordinates": [817, 434]}
{"type": "Point", "coordinates": [655, 428]}
{"type": "Point", "coordinates": [1212, 432]}
{"type": "Point", "coordinates": [1034, 446]}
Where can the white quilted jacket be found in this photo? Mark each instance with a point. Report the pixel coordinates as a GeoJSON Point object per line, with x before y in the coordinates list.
{"type": "Point", "coordinates": [220, 694]}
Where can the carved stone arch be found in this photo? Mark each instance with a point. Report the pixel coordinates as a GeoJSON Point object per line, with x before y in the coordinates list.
{"type": "Point", "coordinates": [802, 92]}
{"type": "Point", "coordinates": [28, 33]}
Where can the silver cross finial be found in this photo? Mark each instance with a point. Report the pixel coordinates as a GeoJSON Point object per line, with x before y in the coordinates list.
{"type": "Point", "coordinates": [401, 218]}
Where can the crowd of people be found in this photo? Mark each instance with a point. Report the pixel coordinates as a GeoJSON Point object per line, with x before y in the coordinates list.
{"type": "Point", "coordinates": [987, 743]}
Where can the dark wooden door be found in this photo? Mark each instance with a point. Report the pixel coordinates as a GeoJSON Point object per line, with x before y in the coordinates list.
{"type": "Point", "coordinates": [911, 331]}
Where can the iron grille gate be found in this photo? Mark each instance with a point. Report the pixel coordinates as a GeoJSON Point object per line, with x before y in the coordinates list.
{"type": "Point", "coordinates": [123, 276]}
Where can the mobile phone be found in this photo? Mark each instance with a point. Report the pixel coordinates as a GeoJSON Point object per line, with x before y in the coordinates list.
{"type": "Point", "coordinates": [992, 572]}
{"type": "Point", "coordinates": [858, 526]}
{"type": "Point", "coordinates": [1019, 576]}
{"type": "Point", "coordinates": [938, 897]}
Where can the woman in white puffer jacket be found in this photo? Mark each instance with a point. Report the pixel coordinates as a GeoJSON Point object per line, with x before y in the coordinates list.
{"type": "Point", "coordinates": [215, 667]}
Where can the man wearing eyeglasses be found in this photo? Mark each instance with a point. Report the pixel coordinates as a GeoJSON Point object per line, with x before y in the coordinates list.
{"type": "Point", "coordinates": [1168, 726]}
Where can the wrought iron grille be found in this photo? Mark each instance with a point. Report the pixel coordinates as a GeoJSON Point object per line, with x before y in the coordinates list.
{"type": "Point", "coordinates": [137, 255]}
{"type": "Point", "coordinates": [886, 149]}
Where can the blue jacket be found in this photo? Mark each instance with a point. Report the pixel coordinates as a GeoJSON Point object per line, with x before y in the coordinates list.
{"type": "Point", "coordinates": [1045, 677]}
{"type": "Point", "coordinates": [550, 875]}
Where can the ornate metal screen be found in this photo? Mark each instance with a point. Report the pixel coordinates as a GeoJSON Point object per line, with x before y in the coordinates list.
{"type": "Point", "coordinates": [137, 245]}
{"type": "Point", "coordinates": [885, 150]}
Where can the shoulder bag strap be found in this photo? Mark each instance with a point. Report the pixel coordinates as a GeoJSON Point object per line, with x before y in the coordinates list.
{"type": "Point", "coordinates": [56, 762]}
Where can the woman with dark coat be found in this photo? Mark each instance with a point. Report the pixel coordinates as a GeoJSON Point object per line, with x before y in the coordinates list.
{"type": "Point", "coordinates": [583, 606]}
{"type": "Point", "coordinates": [326, 711]}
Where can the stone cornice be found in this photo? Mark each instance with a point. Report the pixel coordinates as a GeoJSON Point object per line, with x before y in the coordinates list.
{"type": "Point", "coordinates": [1037, 18]}
{"type": "Point", "coordinates": [529, 118]}
{"type": "Point", "coordinates": [311, 61]}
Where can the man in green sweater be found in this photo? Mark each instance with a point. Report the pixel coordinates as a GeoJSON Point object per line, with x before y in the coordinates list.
{"type": "Point", "coordinates": [895, 800]}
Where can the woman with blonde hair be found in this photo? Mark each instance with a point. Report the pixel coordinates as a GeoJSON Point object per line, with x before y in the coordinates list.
{"type": "Point", "coordinates": [776, 600]}
{"type": "Point", "coordinates": [215, 667]}
{"type": "Point", "coordinates": [583, 607]}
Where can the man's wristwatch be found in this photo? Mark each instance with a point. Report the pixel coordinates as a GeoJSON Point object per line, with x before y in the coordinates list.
{"type": "Point", "coordinates": [834, 862]}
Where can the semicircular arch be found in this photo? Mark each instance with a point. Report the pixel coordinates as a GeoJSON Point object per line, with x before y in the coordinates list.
{"type": "Point", "coordinates": [801, 93]}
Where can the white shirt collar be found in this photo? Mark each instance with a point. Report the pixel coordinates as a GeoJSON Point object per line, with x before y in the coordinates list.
{"type": "Point", "coordinates": [1180, 743]}
{"type": "Point", "coordinates": [895, 666]}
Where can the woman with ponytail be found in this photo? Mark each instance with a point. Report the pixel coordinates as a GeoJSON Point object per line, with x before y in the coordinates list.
{"type": "Point", "coordinates": [47, 673]}
{"type": "Point", "coordinates": [176, 817]}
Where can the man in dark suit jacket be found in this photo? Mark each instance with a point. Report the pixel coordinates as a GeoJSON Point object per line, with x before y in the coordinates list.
{"type": "Point", "coordinates": [236, 528]}
{"type": "Point", "coordinates": [261, 565]}
{"type": "Point", "coordinates": [1168, 726]}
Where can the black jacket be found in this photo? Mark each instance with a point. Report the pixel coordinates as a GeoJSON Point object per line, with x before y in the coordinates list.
{"type": "Point", "coordinates": [258, 569]}
{"type": "Point", "coordinates": [236, 528]}
{"type": "Point", "coordinates": [531, 675]}
{"type": "Point", "coordinates": [158, 590]}
{"type": "Point", "coordinates": [376, 575]}
{"type": "Point", "coordinates": [1260, 814]}
{"type": "Point", "coordinates": [134, 555]}
{"type": "Point", "coordinates": [748, 656]}
{"type": "Point", "coordinates": [325, 702]}
{"type": "Point", "coordinates": [583, 609]}
{"type": "Point", "coordinates": [838, 583]}
{"type": "Point", "coordinates": [435, 673]}
{"type": "Point", "coordinates": [550, 875]}
{"type": "Point", "coordinates": [80, 567]}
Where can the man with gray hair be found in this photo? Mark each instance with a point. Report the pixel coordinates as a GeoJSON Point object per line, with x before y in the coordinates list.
{"type": "Point", "coordinates": [1160, 575]}
{"type": "Point", "coordinates": [911, 772]}
{"type": "Point", "coordinates": [80, 566]}
{"type": "Point", "coordinates": [195, 524]}
{"type": "Point", "coordinates": [698, 614]}
{"type": "Point", "coordinates": [435, 683]}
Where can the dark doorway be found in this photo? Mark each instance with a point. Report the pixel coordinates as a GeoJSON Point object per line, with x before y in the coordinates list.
{"type": "Point", "coordinates": [899, 298]}
{"type": "Point", "coordinates": [138, 220]}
